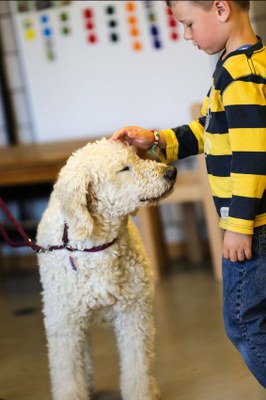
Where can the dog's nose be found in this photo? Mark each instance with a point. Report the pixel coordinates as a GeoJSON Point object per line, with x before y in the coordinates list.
{"type": "Point", "coordinates": [170, 174]}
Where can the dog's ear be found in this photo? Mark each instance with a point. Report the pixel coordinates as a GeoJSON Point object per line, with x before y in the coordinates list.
{"type": "Point", "coordinates": [71, 190]}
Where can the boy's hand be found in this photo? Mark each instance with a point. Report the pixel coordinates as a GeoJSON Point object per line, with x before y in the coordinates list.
{"type": "Point", "coordinates": [135, 136]}
{"type": "Point", "coordinates": [237, 246]}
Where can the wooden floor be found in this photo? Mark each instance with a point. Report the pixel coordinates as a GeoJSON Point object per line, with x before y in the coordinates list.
{"type": "Point", "coordinates": [194, 360]}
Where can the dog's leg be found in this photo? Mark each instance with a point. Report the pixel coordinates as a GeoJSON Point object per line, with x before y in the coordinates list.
{"type": "Point", "coordinates": [89, 365]}
{"type": "Point", "coordinates": [135, 339]}
{"type": "Point", "coordinates": [66, 345]}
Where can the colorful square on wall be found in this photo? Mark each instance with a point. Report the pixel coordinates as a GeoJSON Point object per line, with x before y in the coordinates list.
{"type": "Point", "coordinates": [24, 6]}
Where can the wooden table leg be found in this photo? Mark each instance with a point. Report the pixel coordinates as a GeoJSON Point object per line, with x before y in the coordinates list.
{"type": "Point", "coordinates": [153, 239]}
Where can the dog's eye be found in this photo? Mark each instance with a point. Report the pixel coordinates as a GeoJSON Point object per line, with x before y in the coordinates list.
{"type": "Point", "coordinates": [125, 169]}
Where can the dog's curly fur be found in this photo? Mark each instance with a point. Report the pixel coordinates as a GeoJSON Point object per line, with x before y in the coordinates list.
{"type": "Point", "coordinates": [96, 191]}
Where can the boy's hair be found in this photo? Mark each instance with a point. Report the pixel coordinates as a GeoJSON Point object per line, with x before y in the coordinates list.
{"type": "Point", "coordinates": [207, 4]}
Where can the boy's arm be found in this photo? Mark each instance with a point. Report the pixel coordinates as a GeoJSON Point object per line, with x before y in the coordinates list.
{"type": "Point", "coordinates": [175, 143]}
{"type": "Point", "coordinates": [185, 140]}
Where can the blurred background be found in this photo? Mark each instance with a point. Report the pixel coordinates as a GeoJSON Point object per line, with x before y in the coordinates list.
{"type": "Point", "coordinates": [73, 71]}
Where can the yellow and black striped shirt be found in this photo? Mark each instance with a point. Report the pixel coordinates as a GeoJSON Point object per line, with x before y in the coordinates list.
{"type": "Point", "coordinates": [232, 133]}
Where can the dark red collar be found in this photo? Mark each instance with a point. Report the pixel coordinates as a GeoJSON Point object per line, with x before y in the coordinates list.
{"type": "Point", "coordinates": [66, 246]}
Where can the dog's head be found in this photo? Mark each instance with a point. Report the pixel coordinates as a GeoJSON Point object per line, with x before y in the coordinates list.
{"type": "Point", "coordinates": [108, 179]}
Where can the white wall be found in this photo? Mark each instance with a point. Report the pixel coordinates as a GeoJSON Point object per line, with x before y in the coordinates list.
{"type": "Point", "coordinates": [258, 17]}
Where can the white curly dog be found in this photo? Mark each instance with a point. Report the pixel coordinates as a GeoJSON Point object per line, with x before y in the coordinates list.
{"type": "Point", "coordinates": [94, 267]}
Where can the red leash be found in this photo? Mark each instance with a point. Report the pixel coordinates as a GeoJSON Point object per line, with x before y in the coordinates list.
{"type": "Point", "coordinates": [27, 240]}
{"type": "Point", "coordinates": [39, 249]}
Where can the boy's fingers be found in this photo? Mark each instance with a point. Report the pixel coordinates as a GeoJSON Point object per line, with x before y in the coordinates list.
{"type": "Point", "coordinates": [225, 254]}
{"type": "Point", "coordinates": [120, 134]}
{"type": "Point", "coordinates": [233, 256]}
{"type": "Point", "coordinates": [248, 254]}
{"type": "Point", "coordinates": [124, 134]}
{"type": "Point", "coordinates": [241, 255]}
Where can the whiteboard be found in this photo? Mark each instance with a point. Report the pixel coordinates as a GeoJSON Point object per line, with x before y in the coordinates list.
{"type": "Point", "coordinates": [88, 89]}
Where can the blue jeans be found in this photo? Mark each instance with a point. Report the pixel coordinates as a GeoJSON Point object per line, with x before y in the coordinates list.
{"type": "Point", "coordinates": [244, 305]}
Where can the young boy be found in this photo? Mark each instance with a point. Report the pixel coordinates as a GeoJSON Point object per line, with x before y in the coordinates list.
{"type": "Point", "coordinates": [232, 134]}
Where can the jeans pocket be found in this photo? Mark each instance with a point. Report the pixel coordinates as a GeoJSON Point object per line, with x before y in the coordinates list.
{"type": "Point", "coordinates": [261, 235]}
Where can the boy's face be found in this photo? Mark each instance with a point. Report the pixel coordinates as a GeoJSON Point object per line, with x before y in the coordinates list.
{"type": "Point", "coordinates": [202, 27]}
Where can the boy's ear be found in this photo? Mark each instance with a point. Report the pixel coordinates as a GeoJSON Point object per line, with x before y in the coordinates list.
{"type": "Point", "coordinates": [222, 10]}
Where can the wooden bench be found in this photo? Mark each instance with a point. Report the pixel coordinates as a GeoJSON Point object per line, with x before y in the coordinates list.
{"type": "Point", "coordinates": [34, 163]}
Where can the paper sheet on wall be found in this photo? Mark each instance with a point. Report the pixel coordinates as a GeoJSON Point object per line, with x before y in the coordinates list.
{"type": "Point", "coordinates": [94, 66]}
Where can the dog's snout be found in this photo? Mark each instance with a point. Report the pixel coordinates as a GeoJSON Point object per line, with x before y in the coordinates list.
{"type": "Point", "coordinates": [170, 174]}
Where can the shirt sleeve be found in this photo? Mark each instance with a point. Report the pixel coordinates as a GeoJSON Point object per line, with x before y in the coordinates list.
{"type": "Point", "coordinates": [245, 107]}
{"type": "Point", "coordinates": [185, 140]}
